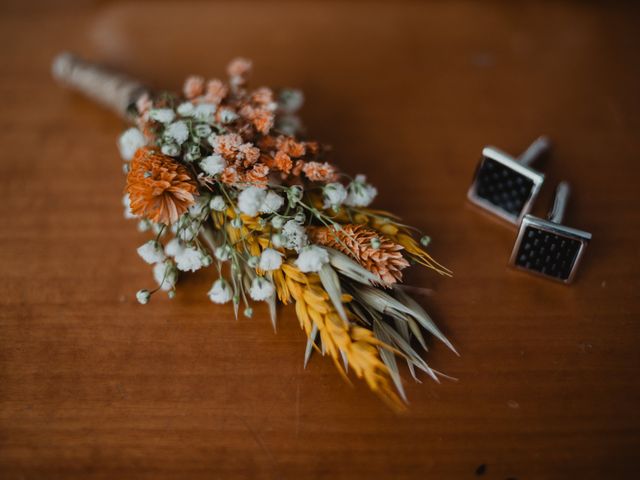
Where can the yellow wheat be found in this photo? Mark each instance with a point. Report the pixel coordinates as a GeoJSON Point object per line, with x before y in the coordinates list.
{"type": "Point", "coordinates": [358, 344]}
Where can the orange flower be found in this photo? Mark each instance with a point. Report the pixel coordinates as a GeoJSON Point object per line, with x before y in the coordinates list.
{"type": "Point", "coordinates": [292, 148]}
{"type": "Point", "coordinates": [261, 118]}
{"type": "Point", "coordinates": [159, 188]}
{"type": "Point", "coordinates": [258, 174]}
{"type": "Point", "coordinates": [319, 172]}
{"type": "Point", "coordinates": [282, 162]}
{"type": "Point", "coordinates": [229, 175]}
{"type": "Point", "coordinates": [249, 153]}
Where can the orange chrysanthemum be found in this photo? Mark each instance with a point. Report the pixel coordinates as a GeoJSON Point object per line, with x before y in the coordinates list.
{"type": "Point", "coordinates": [159, 188]}
{"type": "Point", "coordinates": [386, 261]}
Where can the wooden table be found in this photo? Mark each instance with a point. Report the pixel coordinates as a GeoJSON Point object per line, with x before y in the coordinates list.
{"type": "Point", "coordinates": [93, 385]}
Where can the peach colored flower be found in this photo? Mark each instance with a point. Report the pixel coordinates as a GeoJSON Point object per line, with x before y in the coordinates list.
{"type": "Point", "coordinates": [262, 96]}
{"type": "Point", "coordinates": [239, 68]}
{"type": "Point", "coordinates": [159, 188]}
{"type": "Point", "coordinates": [193, 87]}
{"type": "Point", "coordinates": [292, 148]}
{"type": "Point", "coordinates": [263, 121]}
{"type": "Point", "coordinates": [319, 172]}
{"type": "Point", "coordinates": [261, 118]}
{"type": "Point", "coordinates": [282, 162]}
{"type": "Point", "coordinates": [229, 175]}
{"type": "Point", "coordinates": [250, 153]}
{"type": "Point", "coordinates": [227, 145]}
{"type": "Point", "coordinates": [258, 174]}
{"type": "Point", "coordinates": [216, 91]}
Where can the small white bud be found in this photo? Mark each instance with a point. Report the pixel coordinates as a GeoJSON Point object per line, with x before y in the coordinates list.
{"type": "Point", "coordinates": [217, 203]}
{"type": "Point", "coordinates": [277, 222]}
{"type": "Point", "coordinates": [170, 149]}
{"type": "Point", "coordinates": [162, 115]}
{"type": "Point", "coordinates": [143, 296]}
{"type": "Point", "coordinates": [223, 253]}
{"type": "Point", "coordinates": [202, 130]}
{"type": "Point", "coordinates": [278, 240]}
{"type": "Point", "coordinates": [185, 109]}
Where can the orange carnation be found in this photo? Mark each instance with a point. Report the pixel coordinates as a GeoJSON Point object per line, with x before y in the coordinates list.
{"type": "Point", "coordinates": [159, 188]}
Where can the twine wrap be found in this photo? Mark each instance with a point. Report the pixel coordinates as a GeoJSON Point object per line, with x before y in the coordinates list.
{"type": "Point", "coordinates": [112, 89]}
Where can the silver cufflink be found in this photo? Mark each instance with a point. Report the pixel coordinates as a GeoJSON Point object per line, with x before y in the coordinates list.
{"type": "Point", "coordinates": [505, 186]}
{"type": "Point", "coordinates": [547, 248]}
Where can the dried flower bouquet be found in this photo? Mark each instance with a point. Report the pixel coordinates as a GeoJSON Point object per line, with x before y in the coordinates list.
{"type": "Point", "coordinates": [221, 175]}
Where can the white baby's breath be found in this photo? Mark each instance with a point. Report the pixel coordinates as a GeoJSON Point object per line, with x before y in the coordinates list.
{"type": "Point", "coordinates": [250, 200]}
{"type": "Point", "coordinates": [334, 195]}
{"type": "Point", "coordinates": [178, 131]}
{"type": "Point", "coordinates": [190, 259]}
{"type": "Point", "coordinates": [361, 193]}
{"type": "Point", "coordinates": [162, 115]}
{"type": "Point", "coordinates": [173, 247]}
{"type": "Point", "coordinates": [261, 289]}
{"type": "Point", "coordinates": [220, 291]}
{"type": "Point", "coordinates": [312, 258]}
{"type": "Point", "coordinates": [290, 100]}
{"type": "Point", "coordinates": [277, 222]}
{"type": "Point", "coordinates": [227, 115]}
{"type": "Point", "coordinates": [270, 259]}
{"type": "Point", "coordinates": [271, 203]}
{"type": "Point", "coordinates": [185, 109]}
{"type": "Point", "coordinates": [151, 252]}
{"type": "Point", "coordinates": [129, 142]}
{"type": "Point", "coordinates": [218, 204]}
{"type": "Point", "coordinates": [213, 164]}
{"type": "Point", "coordinates": [205, 112]}
{"type": "Point", "coordinates": [294, 235]}
{"type": "Point", "coordinates": [170, 149]}
{"type": "Point", "coordinates": [222, 253]}
{"type": "Point", "coordinates": [143, 296]}
{"type": "Point", "coordinates": [166, 275]}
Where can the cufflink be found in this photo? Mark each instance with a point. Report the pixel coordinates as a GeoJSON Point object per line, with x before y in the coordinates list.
{"type": "Point", "coordinates": [505, 186]}
{"type": "Point", "coordinates": [547, 248]}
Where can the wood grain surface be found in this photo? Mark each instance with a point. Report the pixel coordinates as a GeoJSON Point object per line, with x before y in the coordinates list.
{"type": "Point", "coordinates": [93, 385]}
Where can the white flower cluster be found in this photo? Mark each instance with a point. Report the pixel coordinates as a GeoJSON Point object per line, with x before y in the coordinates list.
{"type": "Point", "coordinates": [253, 200]}
{"type": "Point", "coordinates": [312, 259]}
{"type": "Point", "coordinates": [129, 142]}
{"type": "Point", "coordinates": [165, 272]}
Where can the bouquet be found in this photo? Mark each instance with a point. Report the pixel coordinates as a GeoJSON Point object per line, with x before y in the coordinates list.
{"type": "Point", "coordinates": [223, 178]}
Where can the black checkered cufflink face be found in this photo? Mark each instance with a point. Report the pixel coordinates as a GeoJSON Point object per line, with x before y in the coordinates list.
{"type": "Point", "coordinates": [549, 249]}
{"type": "Point", "coordinates": [503, 186]}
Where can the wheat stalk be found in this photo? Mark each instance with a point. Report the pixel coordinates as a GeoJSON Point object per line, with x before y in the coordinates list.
{"type": "Point", "coordinates": [357, 345]}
